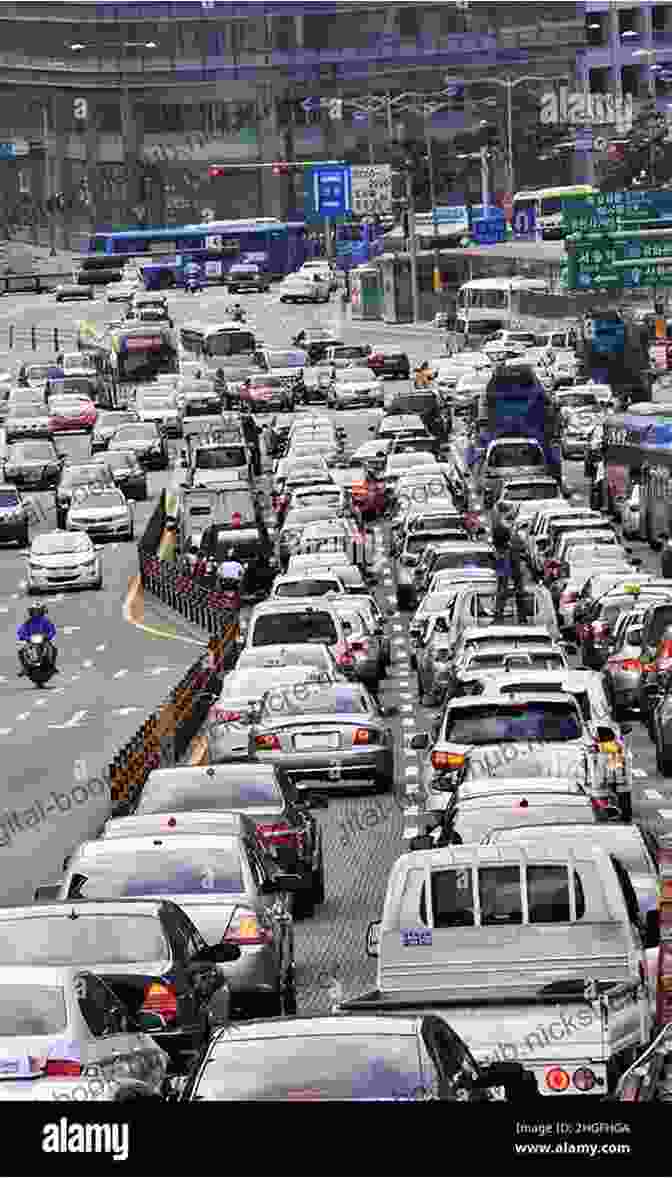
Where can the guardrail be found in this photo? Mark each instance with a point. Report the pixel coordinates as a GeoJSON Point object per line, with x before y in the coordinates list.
{"type": "Point", "coordinates": [36, 338]}
{"type": "Point", "coordinates": [207, 608]}
{"type": "Point", "coordinates": [166, 734]}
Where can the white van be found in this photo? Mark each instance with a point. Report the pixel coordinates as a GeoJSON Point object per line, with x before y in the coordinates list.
{"type": "Point", "coordinates": [305, 287]}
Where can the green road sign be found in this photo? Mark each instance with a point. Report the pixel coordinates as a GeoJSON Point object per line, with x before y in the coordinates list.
{"type": "Point", "coordinates": [620, 260]}
{"type": "Point", "coordinates": [614, 211]}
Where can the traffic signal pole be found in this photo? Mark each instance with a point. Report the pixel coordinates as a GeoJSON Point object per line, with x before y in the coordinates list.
{"type": "Point", "coordinates": [412, 246]}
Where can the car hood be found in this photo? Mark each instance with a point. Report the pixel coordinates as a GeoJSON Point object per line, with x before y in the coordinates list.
{"type": "Point", "coordinates": [98, 512]}
{"type": "Point", "coordinates": [63, 560]}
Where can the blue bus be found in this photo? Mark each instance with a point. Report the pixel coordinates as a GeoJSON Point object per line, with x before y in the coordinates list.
{"type": "Point", "coordinates": [357, 243]}
{"type": "Point", "coordinates": [276, 247]}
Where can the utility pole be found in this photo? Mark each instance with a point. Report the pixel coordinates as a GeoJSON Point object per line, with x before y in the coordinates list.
{"type": "Point", "coordinates": [412, 244]}
{"type": "Point", "coordinates": [432, 190]}
{"type": "Point", "coordinates": [485, 178]}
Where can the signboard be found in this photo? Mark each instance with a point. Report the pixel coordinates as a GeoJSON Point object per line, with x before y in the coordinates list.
{"type": "Point", "coordinates": [629, 263]}
{"type": "Point", "coordinates": [524, 221]}
{"type": "Point", "coordinates": [452, 215]}
{"type": "Point", "coordinates": [331, 190]}
{"type": "Point", "coordinates": [7, 151]}
{"type": "Point", "coordinates": [613, 212]}
{"type": "Point", "coordinates": [371, 189]}
{"type": "Point", "coordinates": [560, 107]}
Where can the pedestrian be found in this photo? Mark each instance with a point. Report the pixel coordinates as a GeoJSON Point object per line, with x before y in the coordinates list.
{"type": "Point", "coordinates": [666, 556]}
{"type": "Point", "coordinates": [509, 568]}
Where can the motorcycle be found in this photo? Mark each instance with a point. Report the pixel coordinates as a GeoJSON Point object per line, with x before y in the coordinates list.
{"type": "Point", "coordinates": [193, 284]}
{"type": "Point", "coordinates": [37, 657]}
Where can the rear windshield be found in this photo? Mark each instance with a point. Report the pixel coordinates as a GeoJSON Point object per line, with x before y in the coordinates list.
{"type": "Point", "coordinates": [464, 560]}
{"type": "Point", "coordinates": [222, 458]}
{"type": "Point", "coordinates": [88, 940]}
{"type": "Point", "coordinates": [500, 896]}
{"type": "Point", "coordinates": [286, 627]}
{"type": "Point", "coordinates": [159, 872]}
{"type": "Point", "coordinates": [515, 456]}
{"type": "Point", "coordinates": [307, 698]}
{"type": "Point", "coordinates": [306, 588]}
{"type": "Point", "coordinates": [532, 491]}
{"type": "Point", "coordinates": [31, 1010]}
{"type": "Point", "coordinates": [513, 722]}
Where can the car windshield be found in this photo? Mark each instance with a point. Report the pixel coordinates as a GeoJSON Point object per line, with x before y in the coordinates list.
{"type": "Point", "coordinates": [107, 499]}
{"type": "Point", "coordinates": [515, 455]}
{"type": "Point", "coordinates": [309, 587]}
{"type": "Point", "coordinates": [79, 476]}
{"type": "Point", "coordinates": [464, 560]}
{"type": "Point", "coordinates": [119, 459]}
{"type": "Point", "coordinates": [130, 433]}
{"type": "Point", "coordinates": [28, 1010]}
{"type": "Point", "coordinates": [286, 359]}
{"type": "Point", "coordinates": [355, 376]}
{"type": "Point", "coordinates": [243, 791]}
{"type": "Point", "coordinates": [38, 452]}
{"type": "Point", "coordinates": [532, 491]}
{"type": "Point", "coordinates": [221, 458]}
{"type": "Point", "coordinates": [86, 941]}
{"type": "Point", "coordinates": [159, 872]}
{"type": "Point", "coordinates": [308, 698]}
{"type": "Point", "coordinates": [315, 1067]}
{"type": "Point", "coordinates": [513, 722]}
{"type": "Point", "coordinates": [62, 542]}
{"type": "Point", "coordinates": [305, 626]}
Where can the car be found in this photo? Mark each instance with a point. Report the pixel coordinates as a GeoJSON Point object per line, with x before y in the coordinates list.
{"type": "Point", "coordinates": [293, 525]}
{"type": "Point", "coordinates": [547, 515]}
{"type": "Point", "coordinates": [251, 546]}
{"type": "Point", "coordinates": [144, 951]}
{"type": "Point", "coordinates": [120, 292]}
{"type": "Point", "coordinates": [520, 640]}
{"type": "Point", "coordinates": [476, 605]}
{"type": "Point", "coordinates": [306, 586]}
{"type": "Point", "coordinates": [14, 516]}
{"type": "Point", "coordinates": [409, 554]}
{"type": "Point", "coordinates": [60, 1022]}
{"type": "Point", "coordinates": [196, 800]}
{"type": "Point", "coordinates": [36, 375]}
{"type": "Point", "coordinates": [267, 393]}
{"type": "Point", "coordinates": [295, 621]}
{"type": "Point", "coordinates": [474, 820]}
{"type": "Point", "coordinates": [146, 441]}
{"type": "Point", "coordinates": [316, 342]}
{"type": "Point", "coordinates": [315, 496]}
{"type": "Point", "coordinates": [353, 387]}
{"type": "Point", "coordinates": [322, 267]}
{"type": "Point", "coordinates": [229, 890]}
{"type": "Point", "coordinates": [597, 619]}
{"type": "Point", "coordinates": [365, 644]}
{"type": "Point", "coordinates": [337, 732]}
{"type": "Point", "coordinates": [399, 464]}
{"type": "Point", "coordinates": [129, 476]}
{"type": "Point", "coordinates": [247, 276]}
{"type": "Point", "coordinates": [27, 421]}
{"type": "Point", "coordinates": [102, 513]}
{"type": "Point", "coordinates": [506, 459]}
{"type": "Point", "coordinates": [346, 353]}
{"type": "Point", "coordinates": [400, 1057]}
{"type": "Point", "coordinates": [292, 654]}
{"type": "Point", "coordinates": [472, 668]}
{"type": "Point", "coordinates": [79, 475]}
{"type": "Point", "coordinates": [388, 362]}
{"type": "Point", "coordinates": [66, 291]}
{"type": "Point", "coordinates": [160, 406]}
{"type": "Point", "coordinates": [523, 491]}
{"type": "Point", "coordinates": [586, 559]}
{"type": "Point", "coordinates": [622, 671]}
{"type": "Point", "coordinates": [148, 307]}
{"type": "Point", "coordinates": [107, 424]}
{"type": "Point", "coordinates": [577, 399]}
{"type": "Point", "coordinates": [71, 414]}
{"type": "Point", "coordinates": [635, 848]}
{"type": "Point", "coordinates": [304, 288]}
{"type": "Point", "coordinates": [440, 602]}
{"type": "Point", "coordinates": [198, 398]}
{"type": "Point", "coordinates": [63, 560]}
{"type": "Point", "coordinates": [316, 564]}
{"type": "Point", "coordinates": [450, 556]}
{"type": "Point", "coordinates": [33, 466]}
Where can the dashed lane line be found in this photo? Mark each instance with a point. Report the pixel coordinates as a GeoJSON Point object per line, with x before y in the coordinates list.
{"type": "Point", "coordinates": [652, 795]}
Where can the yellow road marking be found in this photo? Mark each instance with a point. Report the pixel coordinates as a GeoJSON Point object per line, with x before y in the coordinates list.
{"type": "Point", "coordinates": [134, 614]}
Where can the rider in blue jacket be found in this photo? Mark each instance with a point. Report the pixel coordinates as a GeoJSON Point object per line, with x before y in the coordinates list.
{"type": "Point", "coordinates": [37, 622]}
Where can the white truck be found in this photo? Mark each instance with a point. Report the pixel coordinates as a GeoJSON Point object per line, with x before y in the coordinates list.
{"type": "Point", "coordinates": [532, 954]}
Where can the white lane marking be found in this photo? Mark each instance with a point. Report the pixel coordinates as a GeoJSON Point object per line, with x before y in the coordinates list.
{"type": "Point", "coordinates": [3, 678]}
{"type": "Point", "coordinates": [126, 711]}
{"type": "Point", "coordinates": [23, 716]}
{"type": "Point", "coordinates": [407, 708]}
{"type": "Point", "coordinates": [75, 678]}
{"type": "Point", "coordinates": [88, 664]}
{"type": "Point", "coordinates": [652, 795]}
{"type": "Point", "coordinates": [71, 629]}
{"type": "Point", "coordinates": [408, 723]}
{"type": "Point", "coordinates": [412, 771]}
{"type": "Point", "coordinates": [74, 722]}
{"type": "Point", "coordinates": [159, 671]}
{"type": "Point", "coordinates": [100, 649]}
{"type": "Point", "coordinates": [6, 731]}
{"type": "Point", "coordinates": [15, 595]}
{"type": "Point", "coordinates": [4, 609]}
{"type": "Point", "coordinates": [40, 703]}
{"type": "Point", "coordinates": [120, 674]}
{"type": "Point", "coordinates": [639, 774]}
{"type": "Point", "coordinates": [666, 814]}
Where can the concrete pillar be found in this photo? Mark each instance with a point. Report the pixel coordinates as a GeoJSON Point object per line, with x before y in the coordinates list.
{"type": "Point", "coordinates": [298, 30]}
{"type": "Point", "coordinates": [131, 137]}
{"type": "Point", "coordinates": [273, 191]}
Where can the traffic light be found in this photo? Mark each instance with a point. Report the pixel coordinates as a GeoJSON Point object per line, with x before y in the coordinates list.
{"type": "Point", "coordinates": [215, 171]}
{"type": "Point", "coordinates": [336, 109]}
{"type": "Point", "coordinates": [281, 168]}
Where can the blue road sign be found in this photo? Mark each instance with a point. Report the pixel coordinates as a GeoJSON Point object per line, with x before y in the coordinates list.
{"type": "Point", "coordinates": [332, 189]}
{"type": "Point", "coordinates": [360, 116]}
{"type": "Point", "coordinates": [309, 104]}
{"type": "Point", "coordinates": [7, 151]}
{"type": "Point", "coordinates": [583, 140]}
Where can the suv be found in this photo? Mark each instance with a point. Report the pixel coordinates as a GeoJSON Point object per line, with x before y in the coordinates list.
{"type": "Point", "coordinates": [298, 621]}
{"type": "Point", "coordinates": [14, 518]}
{"type": "Point", "coordinates": [252, 548]}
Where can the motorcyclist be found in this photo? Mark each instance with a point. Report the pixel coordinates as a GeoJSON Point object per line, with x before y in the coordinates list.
{"type": "Point", "coordinates": [37, 622]}
{"type": "Point", "coordinates": [193, 274]}
{"type": "Point", "coordinates": [231, 571]}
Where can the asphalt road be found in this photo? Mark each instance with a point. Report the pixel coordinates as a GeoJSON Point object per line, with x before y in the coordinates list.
{"type": "Point", "coordinates": [90, 703]}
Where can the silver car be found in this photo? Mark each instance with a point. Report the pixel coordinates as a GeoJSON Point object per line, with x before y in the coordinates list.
{"type": "Point", "coordinates": [27, 421]}
{"type": "Point", "coordinates": [230, 719]}
{"type": "Point", "coordinates": [356, 387]}
{"type": "Point", "coordinates": [623, 668]}
{"type": "Point", "coordinates": [62, 560]}
{"type": "Point", "coordinates": [473, 668]}
{"type": "Point", "coordinates": [64, 1021]}
{"type": "Point", "coordinates": [229, 891]}
{"type": "Point", "coordinates": [337, 734]}
{"type": "Point", "coordinates": [102, 513]}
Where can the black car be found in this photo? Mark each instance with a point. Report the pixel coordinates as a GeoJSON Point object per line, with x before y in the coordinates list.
{"type": "Point", "coordinates": [146, 441]}
{"type": "Point", "coordinates": [14, 520]}
{"type": "Point", "coordinates": [251, 547]}
{"type": "Point", "coordinates": [389, 362]}
{"type": "Point", "coordinates": [128, 474]}
{"type": "Point", "coordinates": [66, 291]}
{"type": "Point", "coordinates": [424, 405]}
{"type": "Point", "coordinates": [34, 466]}
{"type": "Point", "coordinates": [85, 474]}
{"type": "Point", "coordinates": [148, 951]}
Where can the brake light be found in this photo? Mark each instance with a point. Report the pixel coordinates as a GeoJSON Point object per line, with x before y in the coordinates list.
{"type": "Point", "coordinates": [600, 805]}
{"type": "Point", "coordinates": [557, 1080]}
{"type": "Point", "coordinates": [363, 736]}
{"type": "Point", "coordinates": [649, 668]}
{"type": "Point", "coordinates": [279, 834]}
{"type": "Point", "coordinates": [269, 743]}
{"type": "Point", "coordinates": [218, 716]}
{"type": "Point", "coordinates": [599, 629]}
{"type": "Point", "coordinates": [568, 597]}
{"type": "Point", "coordinates": [664, 664]}
{"type": "Point", "coordinates": [446, 762]}
{"type": "Point", "coordinates": [551, 568]}
{"type": "Point", "coordinates": [665, 649]}
{"type": "Point", "coordinates": [630, 664]}
{"type": "Point", "coordinates": [584, 1079]}
{"type": "Point", "coordinates": [246, 929]}
{"type": "Point", "coordinates": [345, 659]}
{"type": "Point", "coordinates": [161, 999]}
{"type": "Point", "coordinates": [63, 1067]}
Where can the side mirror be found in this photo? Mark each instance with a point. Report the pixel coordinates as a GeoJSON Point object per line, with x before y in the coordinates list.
{"type": "Point", "coordinates": [652, 929]}
{"type": "Point", "coordinates": [420, 742]}
{"type": "Point", "coordinates": [47, 893]}
{"type": "Point", "coordinates": [315, 801]}
{"type": "Point", "coordinates": [373, 938]}
{"type": "Point", "coordinates": [626, 729]}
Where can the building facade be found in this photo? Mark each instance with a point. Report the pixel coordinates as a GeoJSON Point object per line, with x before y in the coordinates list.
{"type": "Point", "coordinates": [628, 50]}
{"type": "Point", "coordinates": [117, 110]}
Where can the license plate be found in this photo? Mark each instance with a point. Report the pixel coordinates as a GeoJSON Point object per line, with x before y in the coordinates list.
{"type": "Point", "coordinates": [317, 740]}
{"type": "Point", "coordinates": [9, 1067]}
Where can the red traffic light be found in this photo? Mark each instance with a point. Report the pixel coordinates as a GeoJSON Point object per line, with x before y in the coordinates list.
{"type": "Point", "coordinates": [216, 170]}
{"type": "Point", "coordinates": [281, 168]}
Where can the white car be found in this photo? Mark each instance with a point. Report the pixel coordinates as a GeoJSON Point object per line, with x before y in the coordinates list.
{"type": "Point", "coordinates": [103, 512]}
{"type": "Point", "coordinates": [631, 515]}
{"type": "Point", "coordinates": [323, 268]}
{"type": "Point", "coordinates": [564, 369]}
{"type": "Point", "coordinates": [304, 288]}
{"type": "Point", "coordinates": [356, 386]}
{"type": "Point", "coordinates": [63, 560]}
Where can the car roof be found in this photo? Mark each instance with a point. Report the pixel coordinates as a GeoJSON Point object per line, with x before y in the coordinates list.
{"type": "Point", "coordinates": [227, 822]}
{"type": "Point", "coordinates": [214, 774]}
{"type": "Point", "coordinates": [496, 787]}
{"type": "Point", "coordinates": [301, 603]}
{"type": "Point", "coordinates": [102, 848]}
{"type": "Point", "coordinates": [142, 907]}
{"type": "Point", "coordinates": [318, 1026]}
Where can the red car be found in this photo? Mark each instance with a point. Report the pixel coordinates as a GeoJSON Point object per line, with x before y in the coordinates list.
{"type": "Point", "coordinates": [71, 414]}
{"type": "Point", "coordinates": [368, 498]}
{"type": "Point", "coordinates": [266, 392]}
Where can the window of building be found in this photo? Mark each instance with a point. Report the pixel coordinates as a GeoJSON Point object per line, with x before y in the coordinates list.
{"type": "Point", "coordinates": [628, 24]}
{"type": "Point", "coordinates": [596, 28]}
{"type": "Point", "coordinates": [407, 17]}
{"type": "Point", "coordinates": [284, 33]}
{"type": "Point", "coordinates": [599, 80]}
{"type": "Point", "coordinates": [659, 17]}
{"type": "Point", "coordinates": [631, 80]}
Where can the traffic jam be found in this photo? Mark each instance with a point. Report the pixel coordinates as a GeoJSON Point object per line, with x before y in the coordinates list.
{"type": "Point", "coordinates": [434, 618]}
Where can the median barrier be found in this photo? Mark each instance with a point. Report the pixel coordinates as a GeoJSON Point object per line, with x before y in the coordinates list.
{"type": "Point", "coordinates": [24, 338]}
